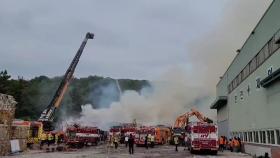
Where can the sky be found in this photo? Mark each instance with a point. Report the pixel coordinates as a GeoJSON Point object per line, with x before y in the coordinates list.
{"type": "Point", "coordinates": [140, 39]}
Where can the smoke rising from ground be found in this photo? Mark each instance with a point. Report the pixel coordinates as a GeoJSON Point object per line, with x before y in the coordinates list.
{"type": "Point", "coordinates": [168, 97]}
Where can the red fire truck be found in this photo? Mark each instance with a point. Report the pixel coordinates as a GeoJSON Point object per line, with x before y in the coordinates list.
{"type": "Point", "coordinates": [202, 136]}
{"type": "Point", "coordinates": [141, 134]}
{"type": "Point", "coordinates": [78, 136]}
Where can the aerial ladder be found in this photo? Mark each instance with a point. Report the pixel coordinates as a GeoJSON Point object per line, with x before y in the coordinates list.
{"type": "Point", "coordinates": [47, 116]}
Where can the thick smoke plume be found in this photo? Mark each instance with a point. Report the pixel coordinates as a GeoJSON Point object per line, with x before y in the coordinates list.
{"type": "Point", "coordinates": [168, 97]}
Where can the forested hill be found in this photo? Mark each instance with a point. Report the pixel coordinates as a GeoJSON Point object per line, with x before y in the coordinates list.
{"type": "Point", "coordinates": [35, 94]}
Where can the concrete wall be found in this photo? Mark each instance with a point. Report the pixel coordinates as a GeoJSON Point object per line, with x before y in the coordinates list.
{"type": "Point", "coordinates": [259, 108]}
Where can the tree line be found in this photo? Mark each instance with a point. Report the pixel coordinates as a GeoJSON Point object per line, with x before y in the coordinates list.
{"type": "Point", "coordinates": [35, 94]}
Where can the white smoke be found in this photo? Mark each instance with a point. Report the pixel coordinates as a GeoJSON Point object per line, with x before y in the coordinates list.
{"type": "Point", "coordinates": [169, 97]}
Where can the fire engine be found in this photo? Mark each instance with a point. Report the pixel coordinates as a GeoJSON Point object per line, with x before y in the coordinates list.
{"type": "Point", "coordinates": [161, 134]}
{"type": "Point", "coordinates": [78, 136]}
{"type": "Point", "coordinates": [141, 134]}
{"type": "Point", "coordinates": [202, 136]}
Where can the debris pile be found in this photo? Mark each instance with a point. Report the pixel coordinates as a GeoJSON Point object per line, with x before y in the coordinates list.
{"type": "Point", "coordinates": [20, 133]}
{"type": "Point", "coordinates": [4, 140]}
{"type": "Point", "coordinates": [8, 130]}
{"type": "Point", "coordinates": [7, 112]}
{"type": "Point", "coordinates": [7, 109]}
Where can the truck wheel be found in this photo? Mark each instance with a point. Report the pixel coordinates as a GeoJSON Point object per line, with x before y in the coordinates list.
{"type": "Point", "coordinates": [214, 152]}
{"type": "Point", "coordinates": [191, 151]}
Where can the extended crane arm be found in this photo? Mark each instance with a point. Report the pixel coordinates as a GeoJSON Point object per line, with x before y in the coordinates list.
{"type": "Point", "coordinates": [48, 114]}
{"type": "Point", "coordinates": [183, 120]}
{"type": "Point", "coordinates": [200, 116]}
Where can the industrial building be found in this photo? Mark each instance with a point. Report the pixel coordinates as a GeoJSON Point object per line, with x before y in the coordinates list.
{"type": "Point", "coordinates": [248, 93]}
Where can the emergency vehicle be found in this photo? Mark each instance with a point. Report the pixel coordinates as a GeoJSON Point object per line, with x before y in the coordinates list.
{"type": "Point", "coordinates": [202, 136]}
{"type": "Point", "coordinates": [141, 134]}
{"type": "Point", "coordinates": [78, 136]}
{"type": "Point", "coordinates": [161, 134]}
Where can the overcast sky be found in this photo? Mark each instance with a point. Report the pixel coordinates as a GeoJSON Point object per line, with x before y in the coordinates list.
{"type": "Point", "coordinates": [139, 39]}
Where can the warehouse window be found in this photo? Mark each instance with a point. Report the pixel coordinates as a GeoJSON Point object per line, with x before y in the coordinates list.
{"type": "Point", "coordinates": [272, 137]}
{"type": "Point", "coordinates": [275, 45]}
{"type": "Point", "coordinates": [250, 137]}
{"type": "Point", "coordinates": [254, 135]}
{"type": "Point", "coordinates": [243, 75]}
{"type": "Point", "coordinates": [247, 71]}
{"type": "Point", "coordinates": [253, 65]}
{"type": "Point", "coordinates": [239, 78]}
{"type": "Point", "coordinates": [265, 51]}
{"type": "Point", "coordinates": [270, 46]}
{"type": "Point", "coordinates": [257, 137]}
{"type": "Point", "coordinates": [235, 83]}
{"type": "Point", "coordinates": [245, 137]}
{"type": "Point", "coordinates": [268, 137]}
{"type": "Point", "coordinates": [263, 137]}
{"type": "Point", "coordinates": [260, 58]}
{"type": "Point", "coordinates": [278, 136]}
{"type": "Point", "coordinates": [229, 88]}
{"type": "Point", "coordinates": [241, 136]}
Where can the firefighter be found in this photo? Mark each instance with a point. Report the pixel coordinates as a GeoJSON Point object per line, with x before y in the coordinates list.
{"type": "Point", "coordinates": [240, 144]}
{"type": "Point", "coordinates": [50, 139]}
{"type": "Point", "coordinates": [186, 142]}
{"type": "Point", "coordinates": [152, 141]}
{"type": "Point", "coordinates": [131, 144]}
{"type": "Point", "coordinates": [225, 142]}
{"type": "Point", "coordinates": [230, 143]}
{"type": "Point", "coordinates": [221, 144]}
{"type": "Point", "coordinates": [116, 142]}
{"type": "Point", "coordinates": [43, 140]}
{"type": "Point", "coordinates": [149, 139]}
{"type": "Point", "coordinates": [126, 140]}
{"type": "Point", "coordinates": [236, 144]}
{"type": "Point", "coordinates": [146, 141]}
{"type": "Point", "coordinates": [56, 136]}
{"type": "Point", "coordinates": [176, 142]}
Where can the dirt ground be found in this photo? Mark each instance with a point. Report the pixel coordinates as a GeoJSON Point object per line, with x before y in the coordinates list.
{"type": "Point", "coordinates": [102, 151]}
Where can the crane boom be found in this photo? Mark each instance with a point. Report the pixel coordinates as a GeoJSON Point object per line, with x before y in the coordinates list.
{"type": "Point", "coordinates": [183, 120]}
{"type": "Point", "coordinates": [48, 114]}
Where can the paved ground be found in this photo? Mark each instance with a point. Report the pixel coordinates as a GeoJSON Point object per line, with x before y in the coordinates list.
{"type": "Point", "coordinates": [102, 151]}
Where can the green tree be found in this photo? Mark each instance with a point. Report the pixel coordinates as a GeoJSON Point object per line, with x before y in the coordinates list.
{"type": "Point", "coordinates": [4, 81]}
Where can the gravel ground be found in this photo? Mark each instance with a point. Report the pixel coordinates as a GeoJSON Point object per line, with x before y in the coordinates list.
{"type": "Point", "coordinates": [102, 151]}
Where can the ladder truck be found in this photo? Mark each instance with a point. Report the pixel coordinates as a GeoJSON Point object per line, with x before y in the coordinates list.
{"type": "Point", "coordinates": [47, 116]}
